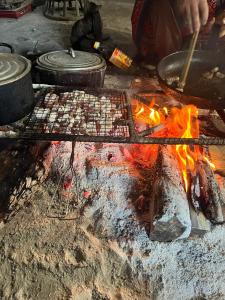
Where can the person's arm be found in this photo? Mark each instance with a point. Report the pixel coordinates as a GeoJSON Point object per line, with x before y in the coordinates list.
{"type": "Point", "coordinates": [192, 13]}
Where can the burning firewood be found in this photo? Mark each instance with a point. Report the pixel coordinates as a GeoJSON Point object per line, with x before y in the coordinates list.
{"type": "Point", "coordinates": [211, 197]}
{"type": "Point", "coordinates": [199, 223]}
{"type": "Point", "coordinates": [170, 218]}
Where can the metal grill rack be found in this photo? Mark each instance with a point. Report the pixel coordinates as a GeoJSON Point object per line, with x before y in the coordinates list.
{"type": "Point", "coordinates": [79, 114]}
{"type": "Point", "coordinates": [65, 114]}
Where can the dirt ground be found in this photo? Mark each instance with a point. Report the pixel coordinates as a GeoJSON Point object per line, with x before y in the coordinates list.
{"type": "Point", "coordinates": [101, 251]}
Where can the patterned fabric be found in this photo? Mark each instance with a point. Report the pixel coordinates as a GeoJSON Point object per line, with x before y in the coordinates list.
{"type": "Point", "coordinates": [142, 29]}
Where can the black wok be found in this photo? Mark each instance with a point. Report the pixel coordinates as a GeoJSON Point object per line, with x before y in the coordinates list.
{"type": "Point", "coordinates": [203, 93]}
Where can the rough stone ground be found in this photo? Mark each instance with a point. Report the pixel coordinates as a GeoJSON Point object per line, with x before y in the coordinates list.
{"type": "Point", "coordinates": [103, 251]}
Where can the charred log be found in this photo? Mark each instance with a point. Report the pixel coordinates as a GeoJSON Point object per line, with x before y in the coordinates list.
{"type": "Point", "coordinates": [170, 217]}
{"type": "Point", "coordinates": [199, 223]}
{"type": "Point", "coordinates": [211, 198]}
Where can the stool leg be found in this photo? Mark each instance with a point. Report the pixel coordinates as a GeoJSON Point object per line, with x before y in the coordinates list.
{"type": "Point", "coordinates": [53, 7]}
{"type": "Point", "coordinates": [85, 5]}
{"type": "Point", "coordinates": [77, 8]}
{"type": "Point", "coordinates": [81, 4]}
{"type": "Point", "coordinates": [64, 8]}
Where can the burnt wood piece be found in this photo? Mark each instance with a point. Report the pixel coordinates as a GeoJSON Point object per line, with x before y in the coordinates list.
{"type": "Point", "coordinates": [199, 223]}
{"type": "Point", "coordinates": [211, 198]}
{"type": "Point", "coordinates": [170, 216]}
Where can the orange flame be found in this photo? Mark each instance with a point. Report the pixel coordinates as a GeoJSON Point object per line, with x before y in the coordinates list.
{"type": "Point", "coordinates": [140, 111]}
{"type": "Point", "coordinates": [154, 117]}
{"type": "Point", "coordinates": [185, 155]}
{"type": "Point", "coordinates": [178, 123]}
{"type": "Point", "coordinates": [165, 110]}
{"type": "Point", "coordinates": [212, 165]}
{"type": "Point", "coordinates": [147, 113]}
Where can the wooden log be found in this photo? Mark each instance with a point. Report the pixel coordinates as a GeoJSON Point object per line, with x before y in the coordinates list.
{"type": "Point", "coordinates": [199, 223]}
{"type": "Point", "coordinates": [170, 216]}
{"type": "Point", "coordinates": [211, 198]}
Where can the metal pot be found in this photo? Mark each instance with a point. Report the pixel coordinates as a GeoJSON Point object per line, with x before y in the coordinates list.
{"type": "Point", "coordinates": [71, 68]}
{"type": "Point", "coordinates": [16, 92]}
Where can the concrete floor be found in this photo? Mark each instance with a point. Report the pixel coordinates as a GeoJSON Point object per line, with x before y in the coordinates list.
{"type": "Point", "coordinates": [51, 35]}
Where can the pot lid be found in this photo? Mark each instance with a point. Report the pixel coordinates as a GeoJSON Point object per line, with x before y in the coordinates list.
{"type": "Point", "coordinates": [13, 67]}
{"type": "Point", "coordinates": [70, 60]}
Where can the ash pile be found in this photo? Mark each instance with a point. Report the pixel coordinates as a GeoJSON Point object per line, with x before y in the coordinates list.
{"type": "Point", "coordinates": [86, 210]}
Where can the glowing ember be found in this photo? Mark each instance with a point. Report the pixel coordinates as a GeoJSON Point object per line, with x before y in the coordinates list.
{"type": "Point", "coordinates": [178, 123]}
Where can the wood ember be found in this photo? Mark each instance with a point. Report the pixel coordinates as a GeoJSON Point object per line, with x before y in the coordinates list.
{"type": "Point", "coordinates": [170, 218]}
{"type": "Point", "coordinates": [211, 198]}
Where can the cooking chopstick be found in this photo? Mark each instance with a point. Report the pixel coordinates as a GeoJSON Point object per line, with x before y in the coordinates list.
{"type": "Point", "coordinates": [188, 60]}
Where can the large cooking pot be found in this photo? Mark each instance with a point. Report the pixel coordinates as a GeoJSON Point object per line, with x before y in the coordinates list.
{"type": "Point", "coordinates": [16, 92]}
{"type": "Point", "coordinates": [71, 68]}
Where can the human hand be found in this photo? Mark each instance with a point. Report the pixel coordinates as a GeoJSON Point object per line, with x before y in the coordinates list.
{"type": "Point", "coordinates": [192, 13]}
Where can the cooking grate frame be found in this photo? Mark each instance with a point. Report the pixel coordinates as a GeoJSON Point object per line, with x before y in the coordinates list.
{"type": "Point", "coordinates": [127, 134]}
{"type": "Point", "coordinates": [100, 128]}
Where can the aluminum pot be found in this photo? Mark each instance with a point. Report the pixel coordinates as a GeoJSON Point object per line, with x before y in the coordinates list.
{"type": "Point", "coordinates": [71, 68]}
{"type": "Point", "coordinates": [16, 92]}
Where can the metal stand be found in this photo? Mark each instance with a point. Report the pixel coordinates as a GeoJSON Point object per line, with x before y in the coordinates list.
{"type": "Point", "coordinates": [64, 10]}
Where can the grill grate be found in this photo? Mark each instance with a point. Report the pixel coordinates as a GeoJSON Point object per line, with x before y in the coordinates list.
{"type": "Point", "coordinates": [61, 114]}
{"type": "Point", "coordinates": [65, 114]}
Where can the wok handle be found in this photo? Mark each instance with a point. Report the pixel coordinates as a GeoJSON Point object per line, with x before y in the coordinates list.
{"type": "Point", "coordinates": [7, 46]}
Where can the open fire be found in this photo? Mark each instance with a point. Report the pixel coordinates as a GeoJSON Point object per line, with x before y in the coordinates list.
{"type": "Point", "coordinates": [173, 187]}
{"type": "Point", "coordinates": [182, 176]}
{"type": "Point", "coordinates": [175, 122]}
